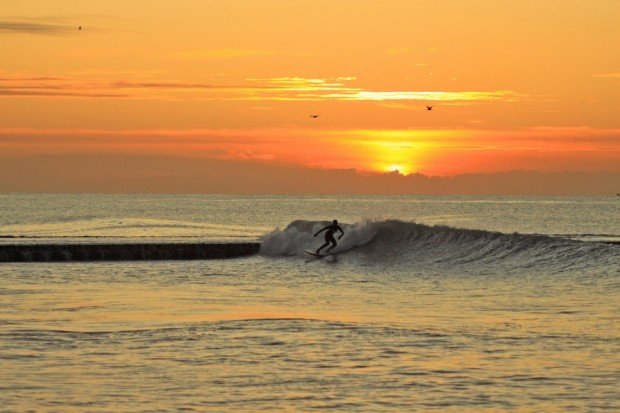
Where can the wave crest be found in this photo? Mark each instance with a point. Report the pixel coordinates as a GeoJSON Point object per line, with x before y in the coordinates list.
{"type": "Point", "coordinates": [409, 241]}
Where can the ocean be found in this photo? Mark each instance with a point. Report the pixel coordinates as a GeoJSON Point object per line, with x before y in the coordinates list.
{"type": "Point", "coordinates": [455, 303]}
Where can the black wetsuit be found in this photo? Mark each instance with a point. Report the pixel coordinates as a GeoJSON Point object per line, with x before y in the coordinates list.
{"type": "Point", "coordinates": [329, 236]}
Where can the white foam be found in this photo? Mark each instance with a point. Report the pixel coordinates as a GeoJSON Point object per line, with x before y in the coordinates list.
{"type": "Point", "coordinates": [298, 236]}
{"type": "Point", "coordinates": [420, 244]}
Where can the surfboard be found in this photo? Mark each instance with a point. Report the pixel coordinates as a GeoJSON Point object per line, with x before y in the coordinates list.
{"type": "Point", "coordinates": [319, 256]}
{"type": "Point", "coordinates": [314, 254]}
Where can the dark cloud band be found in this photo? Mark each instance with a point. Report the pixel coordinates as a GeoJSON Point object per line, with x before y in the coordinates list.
{"type": "Point", "coordinates": [7, 27]}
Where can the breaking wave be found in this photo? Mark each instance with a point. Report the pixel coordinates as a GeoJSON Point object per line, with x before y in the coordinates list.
{"type": "Point", "coordinates": [400, 242]}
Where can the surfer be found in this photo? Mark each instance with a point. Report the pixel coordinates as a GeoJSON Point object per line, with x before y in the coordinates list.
{"type": "Point", "coordinates": [329, 236]}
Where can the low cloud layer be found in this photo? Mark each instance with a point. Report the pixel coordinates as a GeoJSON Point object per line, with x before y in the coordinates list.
{"type": "Point", "coordinates": [436, 152]}
{"type": "Point", "coordinates": [159, 174]}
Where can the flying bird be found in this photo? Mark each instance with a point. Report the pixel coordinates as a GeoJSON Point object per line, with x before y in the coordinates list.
{"type": "Point", "coordinates": [429, 107]}
{"type": "Point", "coordinates": [314, 116]}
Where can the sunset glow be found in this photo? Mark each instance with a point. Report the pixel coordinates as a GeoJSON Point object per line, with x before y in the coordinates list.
{"type": "Point", "coordinates": [536, 87]}
{"type": "Point", "coordinates": [309, 205]}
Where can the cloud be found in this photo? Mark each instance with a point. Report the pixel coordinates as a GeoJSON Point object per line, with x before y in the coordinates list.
{"type": "Point", "coordinates": [607, 75]}
{"type": "Point", "coordinates": [221, 53]}
{"type": "Point", "coordinates": [50, 93]}
{"type": "Point", "coordinates": [402, 51]}
{"type": "Point", "coordinates": [55, 87]}
{"type": "Point", "coordinates": [173, 174]}
{"type": "Point", "coordinates": [29, 78]}
{"type": "Point", "coordinates": [438, 151]}
{"type": "Point", "coordinates": [11, 27]}
{"type": "Point", "coordinates": [555, 137]}
{"type": "Point", "coordinates": [87, 53]}
{"type": "Point", "coordinates": [253, 89]}
{"type": "Point", "coordinates": [55, 25]}
{"type": "Point", "coordinates": [313, 89]}
{"type": "Point", "coordinates": [503, 95]}
{"type": "Point", "coordinates": [165, 85]}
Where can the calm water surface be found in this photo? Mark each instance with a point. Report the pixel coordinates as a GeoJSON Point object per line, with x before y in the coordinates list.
{"type": "Point", "coordinates": [432, 304]}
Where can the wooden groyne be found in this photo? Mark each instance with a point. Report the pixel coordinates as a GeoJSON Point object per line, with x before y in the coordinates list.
{"type": "Point", "coordinates": [124, 252]}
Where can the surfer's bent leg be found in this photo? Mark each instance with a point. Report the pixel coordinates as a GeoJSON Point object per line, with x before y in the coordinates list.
{"type": "Point", "coordinates": [332, 241]}
{"type": "Point", "coordinates": [321, 247]}
{"type": "Point", "coordinates": [329, 239]}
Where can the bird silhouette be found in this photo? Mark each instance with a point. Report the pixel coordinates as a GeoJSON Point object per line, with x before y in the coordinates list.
{"type": "Point", "coordinates": [429, 108]}
{"type": "Point", "coordinates": [314, 116]}
{"type": "Point", "coordinates": [80, 28]}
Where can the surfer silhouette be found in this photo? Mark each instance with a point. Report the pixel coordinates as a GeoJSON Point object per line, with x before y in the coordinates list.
{"type": "Point", "coordinates": [329, 236]}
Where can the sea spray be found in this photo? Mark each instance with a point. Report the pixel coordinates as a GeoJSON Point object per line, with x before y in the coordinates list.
{"type": "Point", "coordinates": [403, 242]}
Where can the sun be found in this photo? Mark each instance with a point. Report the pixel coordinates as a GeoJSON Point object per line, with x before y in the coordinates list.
{"type": "Point", "coordinates": [387, 151]}
{"type": "Point", "coordinates": [390, 156]}
{"type": "Point", "coordinates": [397, 167]}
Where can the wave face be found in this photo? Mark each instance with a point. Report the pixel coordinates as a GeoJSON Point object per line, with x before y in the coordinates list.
{"type": "Point", "coordinates": [401, 242]}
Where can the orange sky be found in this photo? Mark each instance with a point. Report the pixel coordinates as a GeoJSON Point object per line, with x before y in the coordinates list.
{"type": "Point", "coordinates": [532, 84]}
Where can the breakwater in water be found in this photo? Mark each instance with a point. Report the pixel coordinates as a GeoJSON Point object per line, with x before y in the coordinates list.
{"type": "Point", "coordinates": [124, 252]}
